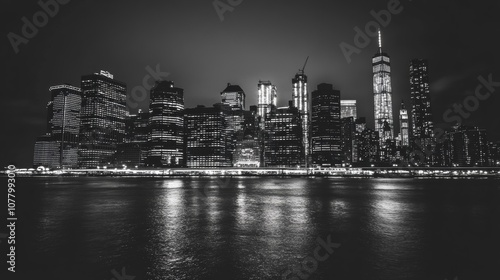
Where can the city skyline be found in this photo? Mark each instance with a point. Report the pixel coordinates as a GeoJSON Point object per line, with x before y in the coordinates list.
{"type": "Point", "coordinates": [453, 76]}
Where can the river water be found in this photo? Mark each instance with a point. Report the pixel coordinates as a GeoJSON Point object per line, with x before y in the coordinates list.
{"type": "Point", "coordinates": [257, 228]}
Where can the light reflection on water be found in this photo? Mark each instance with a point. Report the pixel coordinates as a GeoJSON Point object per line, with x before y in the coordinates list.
{"type": "Point", "coordinates": [257, 228]}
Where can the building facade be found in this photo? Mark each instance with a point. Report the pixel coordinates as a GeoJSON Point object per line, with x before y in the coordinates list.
{"type": "Point", "coordinates": [283, 145]}
{"type": "Point", "coordinates": [348, 109]}
{"type": "Point", "coordinates": [404, 126]}
{"type": "Point", "coordinates": [382, 88]}
{"type": "Point", "coordinates": [325, 126]}
{"type": "Point", "coordinates": [267, 98]}
{"type": "Point", "coordinates": [63, 127]}
{"type": "Point", "coordinates": [300, 97]}
{"type": "Point", "coordinates": [206, 139]}
{"type": "Point", "coordinates": [102, 117]}
{"type": "Point", "coordinates": [166, 126]}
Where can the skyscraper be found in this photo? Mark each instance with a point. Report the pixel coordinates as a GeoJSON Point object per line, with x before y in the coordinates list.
{"type": "Point", "coordinates": [103, 117]}
{"type": "Point", "coordinates": [206, 139]}
{"type": "Point", "coordinates": [234, 97]}
{"type": "Point", "coordinates": [325, 126]}
{"type": "Point", "coordinates": [63, 128]}
{"type": "Point", "coordinates": [166, 123]}
{"type": "Point", "coordinates": [284, 145]}
{"type": "Point", "coordinates": [300, 97]}
{"type": "Point", "coordinates": [422, 124]}
{"type": "Point", "coordinates": [268, 97]}
{"type": "Point", "coordinates": [348, 109]}
{"type": "Point", "coordinates": [382, 89]}
{"type": "Point", "coordinates": [404, 126]}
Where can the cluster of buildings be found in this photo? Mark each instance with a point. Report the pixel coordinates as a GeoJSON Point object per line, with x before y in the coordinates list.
{"type": "Point", "coordinates": [90, 127]}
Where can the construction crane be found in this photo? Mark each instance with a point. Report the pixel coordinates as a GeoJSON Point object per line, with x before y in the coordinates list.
{"type": "Point", "coordinates": [301, 71]}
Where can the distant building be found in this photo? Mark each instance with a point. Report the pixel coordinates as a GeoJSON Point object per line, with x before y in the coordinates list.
{"type": "Point", "coordinates": [166, 126]}
{"type": "Point", "coordinates": [63, 126]}
{"type": "Point", "coordinates": [134, 151]}
{"type": "Point", "coordinates": [348, 109]}
{"type": "Point", "coordinates": [267, 98]}
{"type": "Point", "coordinates": [469, 146]}
{"type": "Point", "coordinates": [382, 88]}
{"type": "Point", "coordinates": [348, 140]}
{"type": "Point", "coordinates": [103, 115]}
{"type": "Point", "coordinates": [326, 126]}
{"type": "Point", "coordinates": [47, 152]}
{"type": "Point", "coordinates": [368, 147]}
{"type": "Point", "coordinates": [247, 153]}
{"type": "Point", "coordinates": [404, 133]}
{"type": "Point", "coordinates": [284, 145]}
{"type": "Point", "coordinates": [300, 97]}
{"type": "Point", "coordinates": [234, 97]}
{"type": "Point", "coordinates": [421, 111]}
{"type": "Point", "coordinates": [206, 139]}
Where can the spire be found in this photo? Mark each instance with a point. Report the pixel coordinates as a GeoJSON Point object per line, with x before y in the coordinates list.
{"type": "Point", "coordinates": [379, 40]}
{"type": "Point", "coordinates": [403, 105]}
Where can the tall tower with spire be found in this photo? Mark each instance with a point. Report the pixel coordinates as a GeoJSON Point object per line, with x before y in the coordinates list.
{"type": "Point", "coordinates": [301, 102]}
{"type": "Point", "coordinates": [382, 90]}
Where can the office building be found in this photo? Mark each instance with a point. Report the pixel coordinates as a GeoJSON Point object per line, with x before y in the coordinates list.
{"type": "Point", "coordinates": [102, 117]}
{"type": "Point", "coordinates": [326, 126]}
{"type": "Point", "coordinates": [348, 109]}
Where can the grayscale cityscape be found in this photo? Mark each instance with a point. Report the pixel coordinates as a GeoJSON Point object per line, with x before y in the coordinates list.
{"type": "Point", "coordinates": [234, 139]}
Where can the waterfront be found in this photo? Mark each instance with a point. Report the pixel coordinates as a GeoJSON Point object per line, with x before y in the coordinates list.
{"type": "Point", "coordinates": [257, 228]}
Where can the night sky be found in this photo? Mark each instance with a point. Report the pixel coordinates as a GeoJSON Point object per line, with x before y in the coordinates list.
{"type": "Point", "coordinates": [258, 40]}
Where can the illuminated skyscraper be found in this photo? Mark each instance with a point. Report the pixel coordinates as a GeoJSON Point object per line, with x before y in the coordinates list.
{"type": "Point", "coordinates": [348, 109]}
{"type": "Point", "coordinates": [283, 138]}
{"type": "Point", "coordinates": [62, 138]}
{"type": "Point", "coordinates": [382, 90]}
{"type": "Point", "coordinates": [206, 139]}
{"type": "Point", "coordinates": [166, 123]}
{"type": "Point", "coordinates": [234, 97]}
{"type": "Point", "coordinates": [268, 97]}
{"type": "Point", "coordinates": [404, 126]}
{"type": "Point", "coordinates": [103, 115]}
{"type": "Point", "coordinates": [301, 102]}
{"type": "Point", "coordinates": [326, 126]}
{"type": "Point", "coordinates": [422, 125]}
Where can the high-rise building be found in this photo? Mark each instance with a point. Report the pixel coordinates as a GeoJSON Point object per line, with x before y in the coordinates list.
{"type": "Point", "coordinates": [300, 97]}
{"type": "Point", "coordinates": [133, 152]}
{"type": "Point", "coordinates": [348, 109]}
{"type": "Point", "coordinates": [382, 89]}
{"type": "Point", "coordinates": [103, 115]}
{"type": "Point", "coordinates": [422, 124]}
{"type": "Point", "coordinates": [284, 145]}
{"type": "Point", "coordinates": [63, 128]}
{"type": "Point", "coordinates": [368, 147]}
{"type": "Point", "coordinates": [348, 140]}
{"type": "Point", "coordinates": [234, 97]}
{"type": "Point", "coordinates": [404, 133]}
{"type": "Point", "coordinates": [268, 97]}
{"type": "Point", "coordinates": [325, 126]}
{"type": "Point", "coordinates": [469, 146]}
{"type": "Point", "coordinates": [166, 124]}
{"type": "Point", "coordinates": [206, 139]}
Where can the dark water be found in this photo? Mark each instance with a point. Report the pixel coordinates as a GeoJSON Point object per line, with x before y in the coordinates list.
{"type": "Point", "coordinates": [255, 228]}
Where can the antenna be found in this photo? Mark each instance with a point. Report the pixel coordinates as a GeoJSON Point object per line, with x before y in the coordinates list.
{"type": "Point", "coordinates": [380, 40]}
{"type": "Point", "coordinates": [305, 64]}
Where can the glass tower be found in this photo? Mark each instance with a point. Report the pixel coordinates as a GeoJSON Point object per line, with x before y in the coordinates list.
{"type": "Point", "coordinates": [422, 125]}
{"type": "Point", "coordinates": [103, 115]}
{"type": "Point", "coordinates": [301, 102]}
{"type": "Point", "coordinates": [166, 123]}
{"type": "Point", "coordinates": [268, 97]}
{"type": "Point", "coordinates": [382, 90]}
